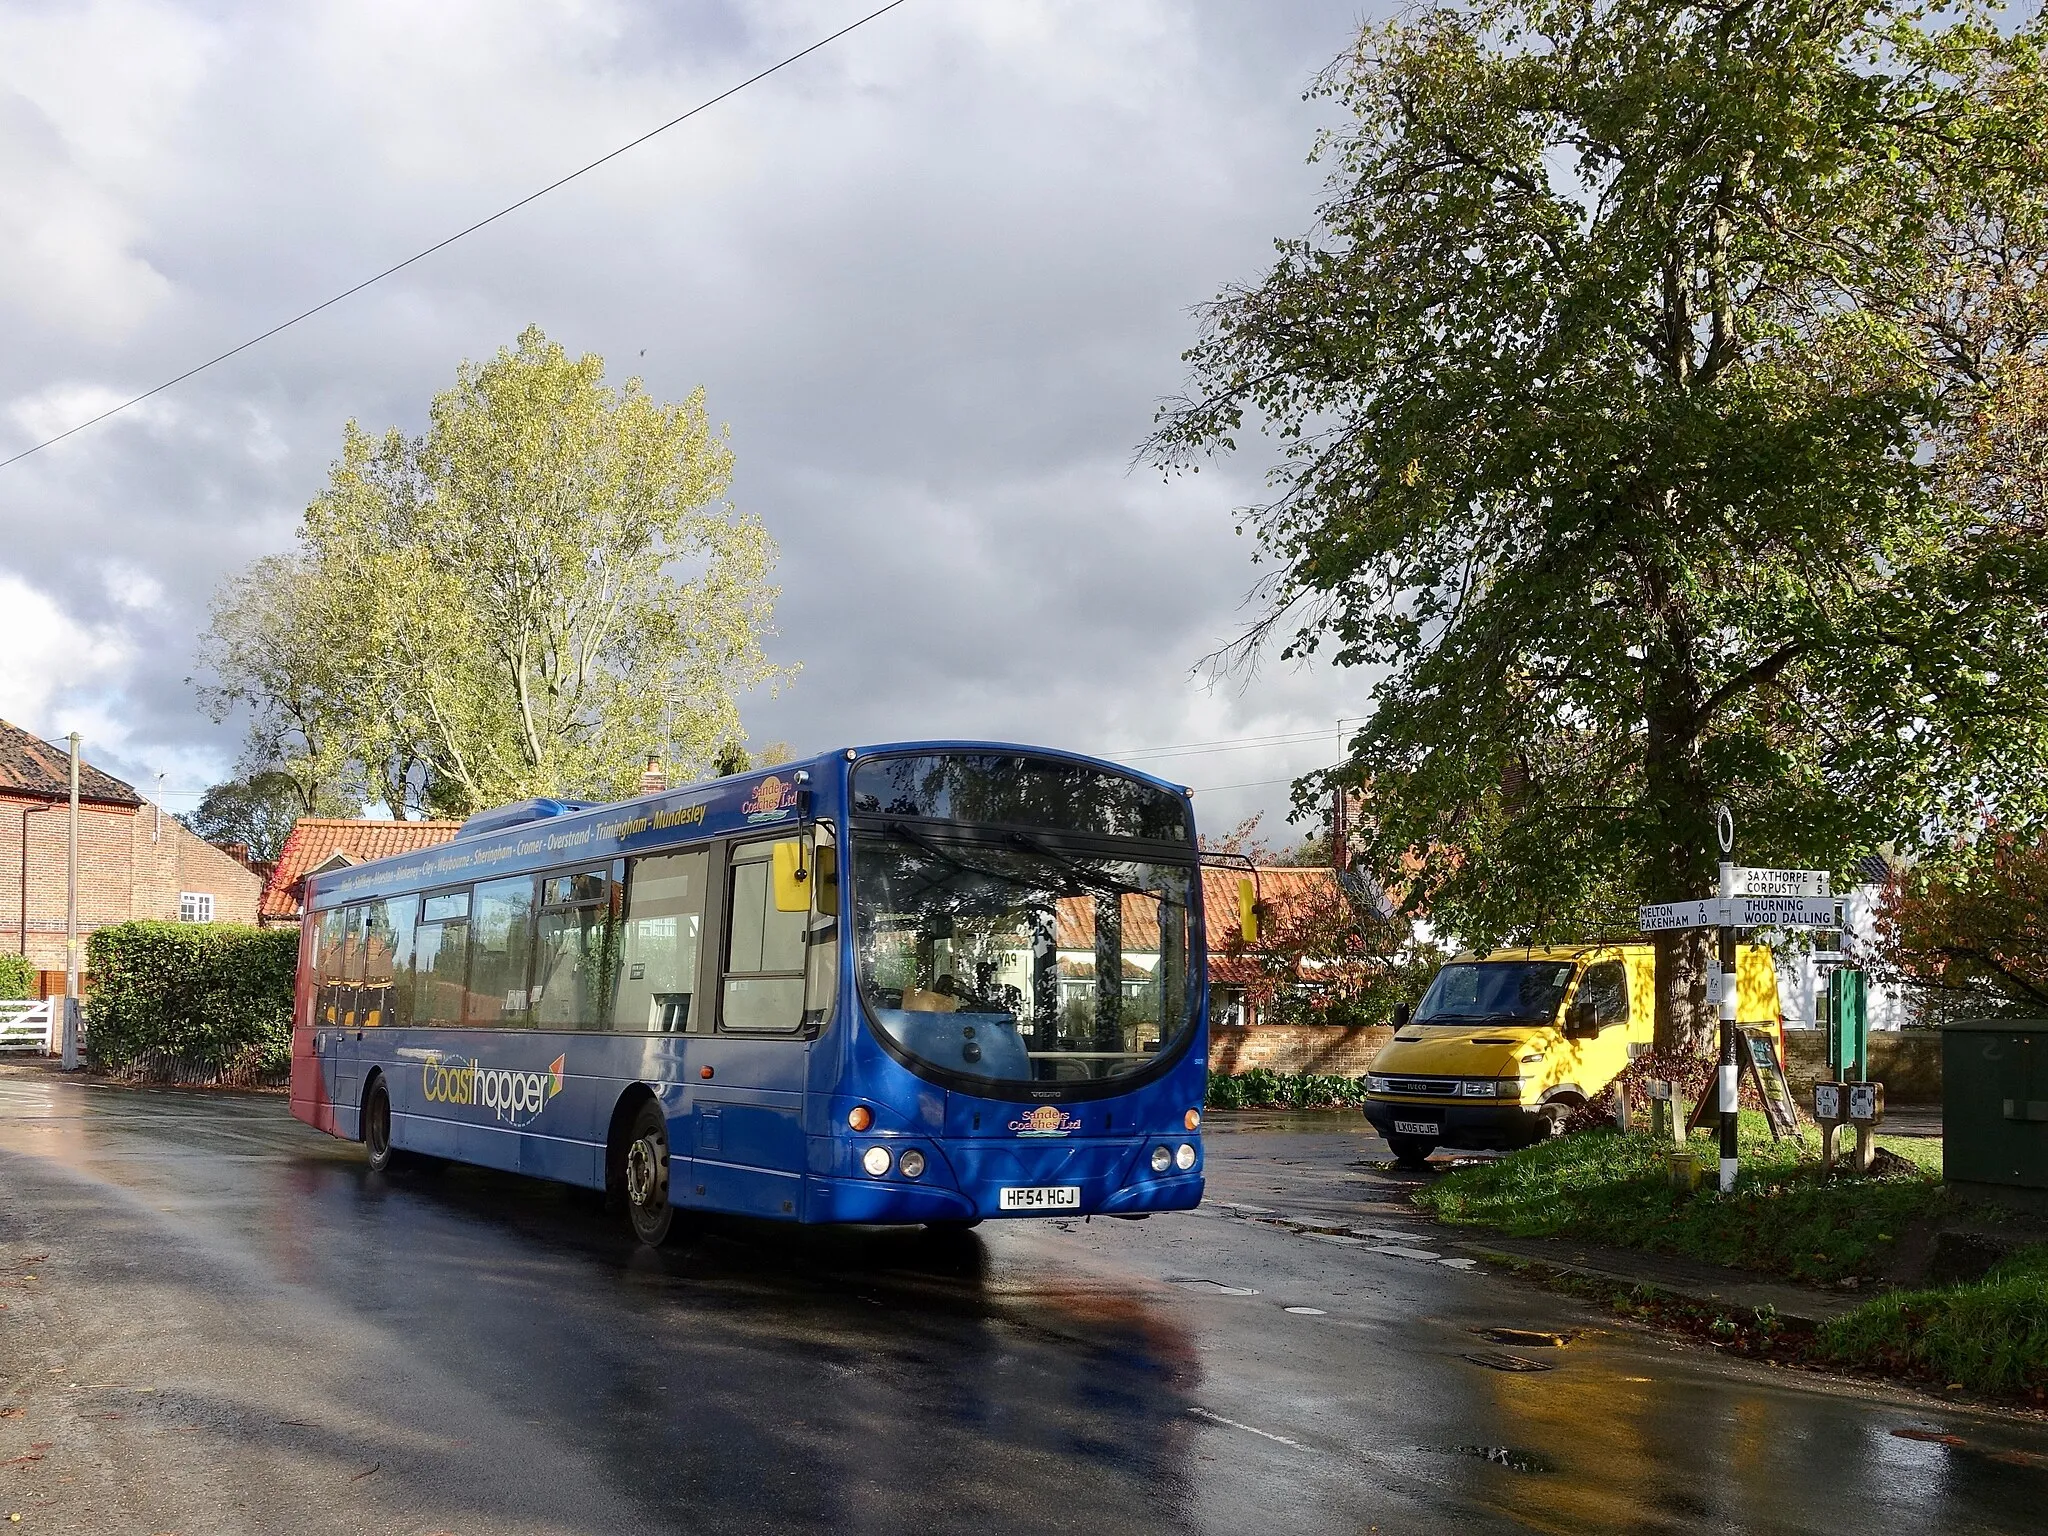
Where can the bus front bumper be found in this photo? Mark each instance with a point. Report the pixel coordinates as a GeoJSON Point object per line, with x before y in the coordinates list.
{"type": "Point", "coordinates": [1473, 1123]}
{"type": "Point", "coordinates": [976, 1181]}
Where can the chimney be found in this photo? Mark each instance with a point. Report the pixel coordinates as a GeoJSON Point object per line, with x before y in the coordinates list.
{"type": "Point", "coordinates": [654, 777]}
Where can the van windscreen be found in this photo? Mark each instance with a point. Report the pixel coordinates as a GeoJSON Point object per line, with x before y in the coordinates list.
{"type": "Point", "coordinates": [1470, 992]}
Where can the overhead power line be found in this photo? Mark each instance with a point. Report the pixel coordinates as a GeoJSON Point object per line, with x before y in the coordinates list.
{"type": "Point", "coordinates": [442, 245]}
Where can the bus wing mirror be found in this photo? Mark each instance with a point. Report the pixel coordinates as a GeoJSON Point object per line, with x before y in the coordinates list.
{"type": "Point", "coordinates": [1248, 911]}
{"type": "Point", "coordinates": [792, 877]}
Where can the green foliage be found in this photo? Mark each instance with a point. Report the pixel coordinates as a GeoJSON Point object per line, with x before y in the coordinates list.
{"type": "Point", "coordinates": [207, 999]}
{"type": "Point", "coordinates": [492, 610]}
{"type": "Point", "coordinates": [1619, 394]}
{"type": "Point", "coordinates": [260, 808]}
{"type": "Point", "coordinates": [1991, 1336]}
{"type": "Point", "coordinates": [17, 976]}
{"type": "Point", "coordinates": [1263, 1088]}
{"type": "Point", "coordinates": [1602, 1187]}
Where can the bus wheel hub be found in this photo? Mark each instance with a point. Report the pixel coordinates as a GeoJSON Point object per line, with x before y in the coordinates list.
{"type": "Point", "coordinates": [643, 1172]}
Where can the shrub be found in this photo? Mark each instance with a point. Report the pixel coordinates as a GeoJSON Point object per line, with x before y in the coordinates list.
{"type": "Point", "coordinates": [184, 1001]}
{"type": "Point", "coordinates": [17, 976]}
{"type": "Point", "coordinates": [1263, 1088]}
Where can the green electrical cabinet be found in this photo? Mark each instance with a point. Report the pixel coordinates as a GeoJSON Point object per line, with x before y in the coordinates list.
{"type": "Point", "coordinates": [1994, 1106]}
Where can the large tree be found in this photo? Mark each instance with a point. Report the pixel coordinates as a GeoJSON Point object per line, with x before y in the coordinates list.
{"type": "Point", "coordinates": [1615, 386]}
{"type": "Point", "coordinates": [260, 809]}
{"type": "Point", "coordinates": [536, 596]}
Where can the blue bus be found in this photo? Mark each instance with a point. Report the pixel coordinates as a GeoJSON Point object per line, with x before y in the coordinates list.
{"type": "Point", "coordinates": [922, 984]}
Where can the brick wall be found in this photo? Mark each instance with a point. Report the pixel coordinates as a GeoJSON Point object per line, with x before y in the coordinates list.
{"type": "Point", "coordinates": [130, 866]}
{"type": "Point", "coordinates": [1906, 1061]}
{"type": "Point", "coordinates": [1295, 1048]}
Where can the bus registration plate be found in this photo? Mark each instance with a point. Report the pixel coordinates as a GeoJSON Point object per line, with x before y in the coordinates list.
{"type": "Point", "coordinates": [1044, 1197]}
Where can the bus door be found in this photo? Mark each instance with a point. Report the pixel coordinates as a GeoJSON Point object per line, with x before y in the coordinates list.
{"type": "Point", "coordinates": [347, 1010]}
{"type": "Point", "coordinates": [662, 956]}
{"type": "Point", "coordinates": [749, 1147]}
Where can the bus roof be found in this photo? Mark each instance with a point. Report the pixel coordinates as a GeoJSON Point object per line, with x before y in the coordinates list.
{"type": "Point", "coordinates": [545, 833]}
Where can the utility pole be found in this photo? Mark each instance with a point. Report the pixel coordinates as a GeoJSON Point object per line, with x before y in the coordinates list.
{"type": "Point", "coordinates": [71, 925]}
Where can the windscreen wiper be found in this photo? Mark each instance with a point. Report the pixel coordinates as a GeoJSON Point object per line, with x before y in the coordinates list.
{"type": "Point", "coordinates": [898, 830]}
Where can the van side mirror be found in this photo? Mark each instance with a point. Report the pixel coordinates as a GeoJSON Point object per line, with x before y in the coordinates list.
{"type": "Point", "coordinates": [1401, 1015]}
{"type": "Point", "coordinates": [1580, 1021]}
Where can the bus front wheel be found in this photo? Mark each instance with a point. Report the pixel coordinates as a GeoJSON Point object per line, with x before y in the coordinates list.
{"type": "Point", "coordinates": [646, 1178]}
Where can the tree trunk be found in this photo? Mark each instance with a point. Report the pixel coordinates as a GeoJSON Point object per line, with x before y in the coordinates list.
{"type": "Point", "coordinates": [1681, 864]}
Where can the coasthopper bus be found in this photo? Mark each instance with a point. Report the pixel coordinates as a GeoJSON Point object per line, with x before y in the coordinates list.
{"type": "Point", "coordinates": [929, 983]}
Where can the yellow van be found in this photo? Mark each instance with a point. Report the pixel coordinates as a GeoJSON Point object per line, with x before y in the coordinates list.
{"type": "Point", "coordinates": [1503, 1047]}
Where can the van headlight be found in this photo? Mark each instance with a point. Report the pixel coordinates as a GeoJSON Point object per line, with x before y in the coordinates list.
{"type": "Point", "coordinates": [1378, 1084]}
{"type": "Point", "coordinates": [1491, 1087]}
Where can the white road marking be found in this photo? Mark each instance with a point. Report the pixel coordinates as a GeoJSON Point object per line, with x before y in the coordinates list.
{"type": "Point", "coordinates": [1409, 1253]}
{"type": "Point", "coordinates": [1459, 1263]}
{"type": "Point", "coordinates": [1307, 1311]}
{"type": "Point", "coordinates": [1263, 1434]}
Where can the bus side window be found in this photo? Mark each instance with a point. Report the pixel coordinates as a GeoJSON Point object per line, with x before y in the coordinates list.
{"type": "Point", "coordinates": [388, 939]}
{"type": "Point", "coordinates": [440, 958]}
{"type": "Point", "coordinates": [574, 952]}
{"type": "Point", "coordinates": [500, 942]}
{"type": "Point", "coordinates": [821, 957]}
{"type": "Point", "coordinates": [764, 948]}
{"type": "Point", "coordinates": [658, 952]}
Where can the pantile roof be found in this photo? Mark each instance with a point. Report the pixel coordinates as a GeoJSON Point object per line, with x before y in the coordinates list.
{"type": "Point", "coordinates": [317, 841]}
{"type": "Point", "coordinates": [31, 766]}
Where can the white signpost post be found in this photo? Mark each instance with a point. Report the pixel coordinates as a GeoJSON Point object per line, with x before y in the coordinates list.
{"type": "Point", "coordinates": [1749, 898]}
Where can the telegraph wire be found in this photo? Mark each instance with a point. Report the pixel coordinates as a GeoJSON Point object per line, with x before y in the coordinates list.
{"type": "Point", "coordinates": [441, 245]}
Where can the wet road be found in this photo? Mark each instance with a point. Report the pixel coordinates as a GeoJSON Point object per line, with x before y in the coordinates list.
{"type": "Point", "coordinates": [218, 1321]}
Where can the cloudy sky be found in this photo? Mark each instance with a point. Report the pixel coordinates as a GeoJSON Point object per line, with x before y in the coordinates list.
{"type": "Point", "coordinates": [935, 278]}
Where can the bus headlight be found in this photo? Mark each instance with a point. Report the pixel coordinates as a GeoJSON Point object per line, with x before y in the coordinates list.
{"type": "Point", "coordinates": [875, 1160]}
{"type": "Point", "coordinates": [1184, 1157]}
{"type": "Point", "coordinates": [911, 1163]}
{"type": "Point", "coordinates": [1161, 1159]}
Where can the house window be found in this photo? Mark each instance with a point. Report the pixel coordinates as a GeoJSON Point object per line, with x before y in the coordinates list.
{"type": "Point", "coordinates": [195, 907]}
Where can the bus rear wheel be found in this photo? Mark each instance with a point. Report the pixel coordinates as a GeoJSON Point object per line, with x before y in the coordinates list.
{"type": "Point", "coordinates": [377, 1127]}
{"type": "Point", "coordinates": [646, 1178]}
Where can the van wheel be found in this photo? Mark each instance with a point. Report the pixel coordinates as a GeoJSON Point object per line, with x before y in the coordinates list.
{"type": "Point", "coordinates": [646, 1178]}
{"type": "Point", "coordinates": [1555, 1113]}
{"type": "Point", "coordinates": [377, 1127]}
{"type": "Point", "coordinates": [1411, 1151]}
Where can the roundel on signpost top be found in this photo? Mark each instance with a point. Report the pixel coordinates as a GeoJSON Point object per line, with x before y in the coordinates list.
{"type": "Point", "coordinates": [1724, 828]}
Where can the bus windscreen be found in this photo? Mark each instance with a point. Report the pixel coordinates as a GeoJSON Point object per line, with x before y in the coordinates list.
{"type": "Point", "coordinates": [1016, 962]}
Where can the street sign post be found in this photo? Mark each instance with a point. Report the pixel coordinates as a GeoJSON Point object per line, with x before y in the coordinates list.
{"type": "Point", "coordinates": [1748, 898]}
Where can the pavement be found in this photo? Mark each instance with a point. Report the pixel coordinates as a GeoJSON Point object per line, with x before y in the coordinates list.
{"type": "Point", "coordinates": [220, 1321]}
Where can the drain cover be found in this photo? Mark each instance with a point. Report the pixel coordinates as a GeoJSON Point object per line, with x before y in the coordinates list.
{"type": "Point", "coordinates": [1501, 1360]}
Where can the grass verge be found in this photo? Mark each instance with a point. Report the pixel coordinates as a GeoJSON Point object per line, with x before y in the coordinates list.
{"type": "Point", "coordinates": [1601, 1187]}
{"type": "Point", "coordinates": [1989, 1336]}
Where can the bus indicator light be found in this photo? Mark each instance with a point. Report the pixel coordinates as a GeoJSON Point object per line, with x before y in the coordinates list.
{"type": "Point", "coordinates": [1192, 1120]}
{"type": "Point", "coordinates": [860, 1117]}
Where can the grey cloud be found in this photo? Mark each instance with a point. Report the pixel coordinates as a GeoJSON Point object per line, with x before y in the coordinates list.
{"type": "Point", "coordinates": [935, 280]}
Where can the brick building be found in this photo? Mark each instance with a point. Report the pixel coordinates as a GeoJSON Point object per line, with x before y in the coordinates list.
{"type": "Point", "coordinates": [134, 861]}
{"type": "Point", "coordinates": [318, 843]}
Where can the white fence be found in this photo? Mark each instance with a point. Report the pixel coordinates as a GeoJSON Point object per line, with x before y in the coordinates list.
{"type": "Point", "coordinates": [29, 1026]}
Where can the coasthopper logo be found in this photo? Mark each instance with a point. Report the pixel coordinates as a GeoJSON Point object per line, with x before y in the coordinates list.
{"type": "Point", "coordinates": [514, 1098]}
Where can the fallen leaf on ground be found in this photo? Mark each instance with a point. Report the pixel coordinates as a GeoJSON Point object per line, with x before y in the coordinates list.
{"type": "Point", "coordinates": [11, 1413]}
{"type": "Point", "coordinates": [17, 1460]}
{"type": "Point", "coordinates": [1932, 1436]}
{"type": "Point", "coordinates": [366, 1472]}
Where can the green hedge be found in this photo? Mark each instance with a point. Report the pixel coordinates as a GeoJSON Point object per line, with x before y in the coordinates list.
{"type": "Point", "coordinates": [1263, 1088]}
{"type": "Point", "coordinates": [190, 1001]}
{"type": "Point", "coordinates": [17, 976]}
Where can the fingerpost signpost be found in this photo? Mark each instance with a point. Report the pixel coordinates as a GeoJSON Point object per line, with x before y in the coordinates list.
{"type": "Point", "coordinates": [1748, 898]}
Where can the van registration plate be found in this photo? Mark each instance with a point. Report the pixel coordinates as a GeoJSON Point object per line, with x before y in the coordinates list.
{"type": "Point", "coordinates": [1043, 1197]}
{"type": "Point", "coordinates": [1417, 1128]}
